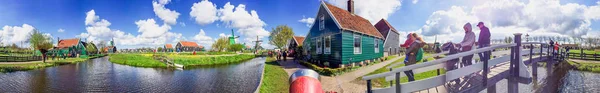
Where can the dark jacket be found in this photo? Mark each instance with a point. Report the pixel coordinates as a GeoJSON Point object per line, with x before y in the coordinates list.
{"type": "Point", "coordinates": [413, 49]}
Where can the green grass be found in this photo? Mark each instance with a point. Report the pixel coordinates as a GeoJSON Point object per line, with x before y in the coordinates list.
{"type": "Point", "coordinates": [586, 66]}
{"type": "Point", "coordinates": [136, 60]}
{"type": "Point", "coordinates": [380, 82]}
{"type": "Point", "coordinates": [22, 67]}
{"type": "Point", "coordinates": [275, 79]}
{"type": "Point", "coordinates": [216, 60]}
{"type": "Point", "coordinates": [584, 51]}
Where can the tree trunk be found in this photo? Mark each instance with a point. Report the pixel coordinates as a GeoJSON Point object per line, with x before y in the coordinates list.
{"type": "Point", "coordinates": [43, 51]}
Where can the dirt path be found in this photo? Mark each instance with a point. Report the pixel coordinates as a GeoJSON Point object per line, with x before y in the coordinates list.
{"type": "Point", "coordinates": [345, 83]}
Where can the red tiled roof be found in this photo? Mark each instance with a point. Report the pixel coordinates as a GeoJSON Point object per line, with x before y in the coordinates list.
{"type": "Point", "coordinates": [169, 46]}
{"type": "Point", "coordinates": [384, 27]}
{"type": "Point", "coordinates": [353, 22]}
{"type": "Point", "coordinates": [299, 40]}
{"type": "Point", "coordinates": [189, 44]}
{"type": "Point", "coordinates": [65, 43]}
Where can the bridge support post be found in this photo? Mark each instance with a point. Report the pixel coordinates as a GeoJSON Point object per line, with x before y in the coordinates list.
{"type": "Point", "coordinates": [513, 86]}
{"type": "Point", "coordinates": [369, 90]}
{"type": "Point", "coordinates": [398, 82]}
{"type": "Point", "coordinates": [533, 64]}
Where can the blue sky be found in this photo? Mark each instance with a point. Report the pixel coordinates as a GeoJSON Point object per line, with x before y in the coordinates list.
{"type": "Point", "coordinates": [131, 26]}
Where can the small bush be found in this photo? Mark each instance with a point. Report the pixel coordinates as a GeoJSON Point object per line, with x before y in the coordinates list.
{"type": "Point", "coordinates": [324, 71]}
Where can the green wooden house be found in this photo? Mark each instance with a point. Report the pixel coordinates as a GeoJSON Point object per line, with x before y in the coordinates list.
{"type": "Point", "coordinates": [71, 47]}
{"type": "Point", "coordinates": [340, 38]}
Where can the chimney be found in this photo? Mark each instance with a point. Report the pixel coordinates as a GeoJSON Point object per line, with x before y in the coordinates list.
{"type": "Point", "coordinates": [351, 6]}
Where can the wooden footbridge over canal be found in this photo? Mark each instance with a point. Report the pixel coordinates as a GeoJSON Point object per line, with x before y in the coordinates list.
{"type": "Point", "coordinates": [478, 76]}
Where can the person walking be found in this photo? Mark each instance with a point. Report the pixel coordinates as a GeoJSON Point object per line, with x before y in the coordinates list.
{"type": "Point", "coordinates": [484, 41]}
{"type": "Point", "coordinates": [284, 55]}
{"type": "Point", "coordinates": [413, 50]}
{"type": "Point", "coordinates": [467, 44]}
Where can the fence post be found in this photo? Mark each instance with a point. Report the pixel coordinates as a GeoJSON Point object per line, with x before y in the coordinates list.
{"type": "Point", "coordinates": [581, 53]}
{"type": "Point", "coordinates": [513, 86]}
{"type": "Point", "coordinates": [369, 86]}
{"type": "Point", "coordinates": [398, 82]}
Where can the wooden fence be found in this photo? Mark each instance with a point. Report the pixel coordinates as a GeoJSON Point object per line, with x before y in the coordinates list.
{"type": "Point", "coordinates": [19, 58]}
{"type": "Point", "coordinates": [584, 56]}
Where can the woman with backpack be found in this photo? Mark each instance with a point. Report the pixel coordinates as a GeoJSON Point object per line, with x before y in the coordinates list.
{"type": "Point", "coordinates": [415, 52]}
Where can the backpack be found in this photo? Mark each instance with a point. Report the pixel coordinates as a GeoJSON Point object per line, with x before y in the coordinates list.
{"type": "Point", "coordinates": [419, 54]}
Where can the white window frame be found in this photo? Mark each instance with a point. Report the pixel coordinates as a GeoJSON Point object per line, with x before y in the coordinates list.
{"type": "Point", "coordinates": [321, 22]}
{"type": "Point", "coordinates": [327, 42]}
{"type": "Point", "coordinates": [376, 45]}
{"type": "Point", "coordinates": [357, 50]}
{"type": "Point", "coordinates": [319, 45]}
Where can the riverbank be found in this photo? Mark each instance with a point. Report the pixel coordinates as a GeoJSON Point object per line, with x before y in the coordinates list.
{"type": "Point", "coordinates": [275, 79]}
{"type": "Point", "coordinates": [146, 60]}
{"type": "Point", "coordinates": [582, 65]}
{"type": "Point", "coordinates": [24, 66]}
{"type": "Point", "coordinates": [136, 60]}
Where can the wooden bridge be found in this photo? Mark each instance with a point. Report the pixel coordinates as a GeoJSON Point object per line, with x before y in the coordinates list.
{"type": "Point", "coordinates": [475, 77]}
{"type": "Point", "coordinates": [167, 61]}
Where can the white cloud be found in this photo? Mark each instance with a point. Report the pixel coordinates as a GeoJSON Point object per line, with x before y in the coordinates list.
{"type": "Point", "coordinates": [203, 39]}
{"type": "Point", "coordinates": [309, 21]}
{"type": "Point", "coordinates": [249, 25]}
{"type": "Point", "coordinates": [168, 16]}
{"type": "Point", "coordinates": [98, 30]}
{"type": "Point", "coordinates": [182, 24]}
{"type": "Point", "coordinates": [505, 17]}
{"type": "Point", "coordinates": [204, 12]}
{"type": "Point", "coordinates": [61, 30]}
{"type": "Point", "coordinates": [150, 29]}
{"type": "Point", "coordinates": [415, 1]}
{"type": "Point", "coordinates": [15, 34]}
{"type": "Point", "coordinates": [372, 10]}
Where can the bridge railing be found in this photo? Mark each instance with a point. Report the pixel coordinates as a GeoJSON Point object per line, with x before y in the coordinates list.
{"type": "Point", "coordinates": [396, 73]}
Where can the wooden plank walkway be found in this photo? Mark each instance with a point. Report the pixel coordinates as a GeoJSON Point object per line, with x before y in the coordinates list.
{"type": "Point", "coordinates": [473, 83]}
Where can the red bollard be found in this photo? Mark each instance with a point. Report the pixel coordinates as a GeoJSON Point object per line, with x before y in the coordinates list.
{"type": "Point", "coordinates": [305, 81]}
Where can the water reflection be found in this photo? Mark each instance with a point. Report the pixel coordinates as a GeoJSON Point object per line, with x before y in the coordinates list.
{"type": "Point", "coordinates": [99, 75]}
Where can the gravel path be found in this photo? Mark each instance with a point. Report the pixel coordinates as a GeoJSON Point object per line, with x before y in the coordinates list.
{"type": "Point", "coordinates": [345, 83]}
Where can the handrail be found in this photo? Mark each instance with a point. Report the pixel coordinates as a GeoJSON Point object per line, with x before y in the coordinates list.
{"type": "Point", "coordinates": [434, 55]}
{"type": "Point", "coordinates": [438, 61]}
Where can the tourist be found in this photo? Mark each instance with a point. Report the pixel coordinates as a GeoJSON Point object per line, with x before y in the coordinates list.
{"type": "Point", "coordinates": [467, 44]}
{"type": "Point", "coordinates": [451, 64]}
{"type": "Point", "coordinates": [484, 41]}
{"type": "Point", "coordinates": [284, 55]}
{"type": "Point", "coordinates": [413, 50]}
{"type": "Point", "coordinates": [409, 40]}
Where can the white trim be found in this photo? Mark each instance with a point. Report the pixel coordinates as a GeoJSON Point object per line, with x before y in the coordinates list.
{"type": "Point", "coordinates": [330, 14]}
{"type": "Point", "coordinates": [386, 37]}
{"type": "Point", "coordinates": [376, 45]}
{"type": "Point", "coordinates": [354, 43]}
{"type": "Point", "coordinates": [327, 50]}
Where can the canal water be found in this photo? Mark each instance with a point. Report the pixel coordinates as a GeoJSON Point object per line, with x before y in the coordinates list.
{"type": "Point", "coordinates": [100, 75]}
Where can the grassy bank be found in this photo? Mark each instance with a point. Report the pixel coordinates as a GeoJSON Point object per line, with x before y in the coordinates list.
{"type": "Point", "coordinates": [275, 79]}
{"type": "Point", "coordinates": [39, 64]}
{"type": "Point", "coordinates": [586, 66]}
{"type": "Point", "coordinates": [380, 82]}
{"type": "Point", "coordinates": [202, 61]}
{"type": "Point", "coordinates": [136, 60]}
{"type": "Point", "coordinates": [24, 67]}
{"type": "Point", "coordinates": [584, 51]}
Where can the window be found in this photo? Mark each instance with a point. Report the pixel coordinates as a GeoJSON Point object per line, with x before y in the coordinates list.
{"type": "Point", "coordinates": [328, 45]}
{"type": "Point", "coordinates": [376, 45]}
{"type": "Point", "coordinates": [357, 44]}
{"type": "Point", "coordinates": [321, 22]}
{"type": "Point", "coordinates": [319, 45]}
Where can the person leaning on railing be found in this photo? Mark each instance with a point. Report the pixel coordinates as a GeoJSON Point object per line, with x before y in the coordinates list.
{"type": "Point", "coordinates": [484, 41]}
{"type": "Point", "coordinates": [413, 52]}
{"type": "Point", "coordinates": [467, 44]}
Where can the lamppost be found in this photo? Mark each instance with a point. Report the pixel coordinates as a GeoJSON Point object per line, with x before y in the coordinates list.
{"type": "Point", "coordinates": [527, 37]}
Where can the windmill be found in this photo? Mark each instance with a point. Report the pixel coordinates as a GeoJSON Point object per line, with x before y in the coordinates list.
{"type": "Point", "coordinates": [232, 38]}
{"type": "Point", "coordinates": [256, 45]}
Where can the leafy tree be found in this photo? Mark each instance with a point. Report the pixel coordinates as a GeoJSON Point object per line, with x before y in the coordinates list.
{"type": "Point", "coordinates": [236, 47]}
{"type": "Point", "coordinates": [221, 44]}
{"type": "Point", "coordinates": [159, 49]}
{"type": "Point", "coordinates": [280, 36]}
{"type": "Point", "coordinates": [41, 42]}
{"type": "Point", "coordinates": [91, 48]}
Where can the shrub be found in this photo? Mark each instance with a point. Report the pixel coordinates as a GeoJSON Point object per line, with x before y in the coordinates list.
{"type": "Point", "coordinates": [324, 71]}
{"type": "Point", "coordinates": [217, 60]}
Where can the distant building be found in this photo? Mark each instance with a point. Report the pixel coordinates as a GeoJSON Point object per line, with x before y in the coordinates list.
{"type": "Point", "coordinates": [187, 46]}
{"type": "Point", "coordinates": [341, 38]}
{"type": "Point", "coordinates": [168, 48]}
{"type": "Point", "coordinates": [295, 42]}
{"type": "Point", "coordinates": [391, 44]}
{"type": "Point", "coordinates": [71, 47]}
{"type": "Point", "coordinates": [111, 48]}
